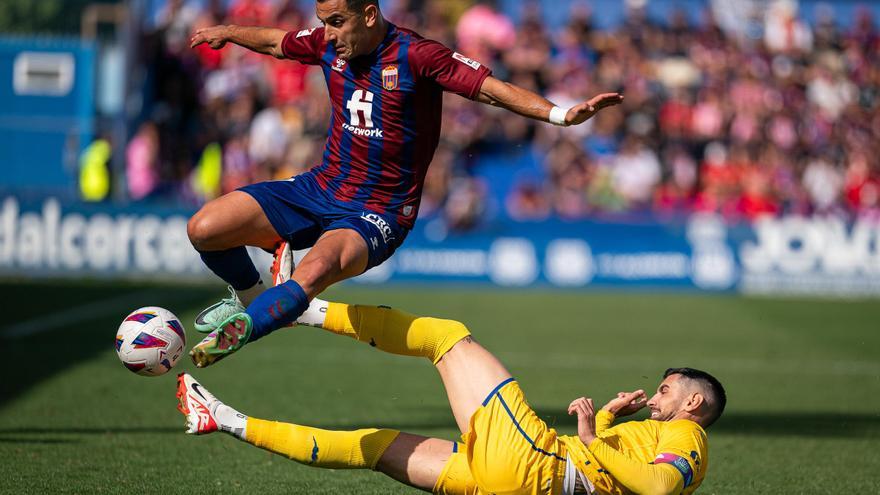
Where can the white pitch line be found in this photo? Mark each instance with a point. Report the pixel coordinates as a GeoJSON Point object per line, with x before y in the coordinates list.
{"type": "Point", "coordinates": [75, 315]}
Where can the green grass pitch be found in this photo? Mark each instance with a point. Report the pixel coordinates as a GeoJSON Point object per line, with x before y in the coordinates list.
{"type": "Point", "coordinates": [803, 378]}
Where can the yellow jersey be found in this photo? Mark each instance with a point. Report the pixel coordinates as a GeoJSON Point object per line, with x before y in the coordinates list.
{"type": "Point", "coordinates": [636, 456]}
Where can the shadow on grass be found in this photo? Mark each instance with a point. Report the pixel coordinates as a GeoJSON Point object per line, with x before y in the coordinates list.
{"type": "Point", "coordinates": [38, 441]}
{"type": "Point", "coordinates": [797, 424]}
{"type": "Point", "coordinates": [804, 424]}
{"type": "Point", "coordinates": [821, 425]}
{"type": "Point", "coordinates": [49, 345]}
{"type": "Point", "coordinates": [60, 435]}
{"type": "Point", "coordinates": [152, 430]}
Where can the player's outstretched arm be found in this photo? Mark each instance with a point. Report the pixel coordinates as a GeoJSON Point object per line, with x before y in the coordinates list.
{"type": "Point", "coordinates": [259, 39]}
{"type": "Point", "coordinates": [532, 105]}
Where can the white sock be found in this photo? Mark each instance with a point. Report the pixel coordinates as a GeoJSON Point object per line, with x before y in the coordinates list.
{"type": "Point", "coordinates": [229, 420]}
{"type": "Point", "coordinates": [315, 315]}
{"type": "Point", "coordinates": [247, 296]}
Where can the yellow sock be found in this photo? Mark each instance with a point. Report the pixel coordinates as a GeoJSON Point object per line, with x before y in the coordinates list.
{"type": "Point", "coordinates": [359, 449]}
{"type": "Point", "coordinates": [395, 331]}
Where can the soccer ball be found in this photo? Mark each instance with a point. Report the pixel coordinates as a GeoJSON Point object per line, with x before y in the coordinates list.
{"type": "Point", "coordinates": [150, 341]}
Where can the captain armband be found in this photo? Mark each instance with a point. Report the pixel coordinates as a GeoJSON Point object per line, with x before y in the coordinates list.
{"type": "Point", "coordinates": [679, 463]}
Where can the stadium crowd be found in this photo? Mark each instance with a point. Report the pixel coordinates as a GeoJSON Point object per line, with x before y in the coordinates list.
{"type": "Point", "coordinates": [783, 120]}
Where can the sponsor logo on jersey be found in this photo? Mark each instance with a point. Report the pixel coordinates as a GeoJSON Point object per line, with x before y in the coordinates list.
{"type": "Point", "coordinates": [305, 32]}
{"type": "Point", "coordinates": [473, 64]}
{"type": "Point", "coordinates": [381, 224]}
{"type": "Point", "coordinates": [390, 78]}
{"type": "Point", "coordinates": [370, 133]}
{"type": "Point", "coordinates": [360, 106]}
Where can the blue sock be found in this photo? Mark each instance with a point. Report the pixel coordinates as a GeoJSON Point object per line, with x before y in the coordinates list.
{"type": "Point", "coordinates": [234, 266]}
{"type": "Point", "coordinates": [277, 307]}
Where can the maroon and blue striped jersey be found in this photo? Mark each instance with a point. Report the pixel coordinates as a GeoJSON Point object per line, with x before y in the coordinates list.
{"type": "Point", "coordinates": [385, 120]}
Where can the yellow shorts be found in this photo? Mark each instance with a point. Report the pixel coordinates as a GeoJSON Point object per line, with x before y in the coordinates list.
{"type": "Point", "coordinates": [508, 449]}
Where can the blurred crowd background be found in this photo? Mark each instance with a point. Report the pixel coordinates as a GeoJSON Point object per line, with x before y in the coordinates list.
{"type": "Point", "coordinates": [769, 115]}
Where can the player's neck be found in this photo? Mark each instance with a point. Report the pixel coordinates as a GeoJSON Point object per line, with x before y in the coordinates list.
{"type": "Point", "coordinates": [686, 415]}
{"type": "Point", "coordinates": [377, 34]}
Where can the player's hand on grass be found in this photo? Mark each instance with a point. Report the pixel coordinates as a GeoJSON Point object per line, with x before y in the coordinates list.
{"type": "Point", "coordinates": [626, 403]}
{"type": "Point", "coordinates": [586, 415]}
{"type": "Point", "coordinates": [579, 114]}
{"type": "Point", "coordinates": [215, 36]}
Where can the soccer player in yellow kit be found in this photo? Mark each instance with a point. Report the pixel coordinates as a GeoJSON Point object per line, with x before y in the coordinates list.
{"type": "Point", "coordinates": [505, 447]}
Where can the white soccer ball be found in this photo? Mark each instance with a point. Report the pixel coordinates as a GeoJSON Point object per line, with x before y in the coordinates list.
{"type": "Point", "coordinates": [150, 340]}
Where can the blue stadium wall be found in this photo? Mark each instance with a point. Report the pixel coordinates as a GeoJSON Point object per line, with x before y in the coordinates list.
{"type": "Point", "coordinates": [47, 125]}
{"type": "Point", "coordinates": [792, 255]}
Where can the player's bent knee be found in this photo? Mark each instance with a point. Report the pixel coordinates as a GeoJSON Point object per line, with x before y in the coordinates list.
{"type": "Point", "coordinates": [198, 229]}
{"type": "Point", "coordinates": [448, 334]}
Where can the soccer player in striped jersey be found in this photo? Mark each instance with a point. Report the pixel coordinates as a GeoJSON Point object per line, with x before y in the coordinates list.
{"type": "Point", "coordinates": [505, 447]}
{"type": "Point", "coordinates": [356, 207]}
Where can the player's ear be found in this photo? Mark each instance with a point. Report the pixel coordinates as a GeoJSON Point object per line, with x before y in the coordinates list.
{"type": "Point", "coordinates": [694, 402]}
{"type": "Point", "coordinates": [371, 14]}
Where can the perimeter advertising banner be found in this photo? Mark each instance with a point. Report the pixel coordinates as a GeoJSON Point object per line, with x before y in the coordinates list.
{"type": "Point", "coordinates": [789, 255]}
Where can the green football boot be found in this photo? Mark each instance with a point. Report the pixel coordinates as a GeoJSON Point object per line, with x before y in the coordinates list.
{"type": "Point", "coordinates": [210, 318]}
{"type": "Point", "coordinates": [230, 336]}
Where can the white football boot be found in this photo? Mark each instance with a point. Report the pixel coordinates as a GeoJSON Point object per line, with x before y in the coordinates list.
{"type": "Point", "coordinates": [282, 264]}
{"type": "Point", "coordinates": [282, 270]}
{"type": "Point", "coordinates": [197, 404]}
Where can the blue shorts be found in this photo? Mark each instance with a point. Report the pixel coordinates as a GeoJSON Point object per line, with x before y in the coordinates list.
{"type": "Point", "coordinates": [300, 211]}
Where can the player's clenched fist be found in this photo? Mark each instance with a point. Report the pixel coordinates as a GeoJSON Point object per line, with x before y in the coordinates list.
{"type": "Point", "coordinates": [214, 36]}
{"type": "Point", "coordinates": [586, 415]}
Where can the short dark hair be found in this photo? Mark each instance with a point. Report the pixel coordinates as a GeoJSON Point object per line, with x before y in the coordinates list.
{"type": "Point", "coordinates": [356, 5]}
{"type": "Point", "coordinates": [717, 396]}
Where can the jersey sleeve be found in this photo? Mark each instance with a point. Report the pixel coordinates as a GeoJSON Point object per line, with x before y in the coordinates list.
{"type": "Point", "coordinates": [682, 445]}
{"type": "Point", "coordinates": [604, 419]}
{"type": "Point", "coordinates": [636, 476]}
{"type": "Point", "coordinates": [304, 46]}
{"type": "Point", "coordinates": [451, 70]}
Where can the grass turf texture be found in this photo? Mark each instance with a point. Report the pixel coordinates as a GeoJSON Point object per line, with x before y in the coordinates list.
{"type": "Point", "coordinates": [803, 378]}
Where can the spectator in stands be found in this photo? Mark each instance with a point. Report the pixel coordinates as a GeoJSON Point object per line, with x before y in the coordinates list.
{"type": "Point", "coordinates": [142, 162]}
{"type": "Point", "coordinates": [713, 120]}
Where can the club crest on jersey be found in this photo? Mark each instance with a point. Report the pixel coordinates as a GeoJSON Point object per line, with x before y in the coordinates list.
{"type": "Point", "coordinates": [338, 65]}
{"type": "Point", "coordinates": [390, 78]}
